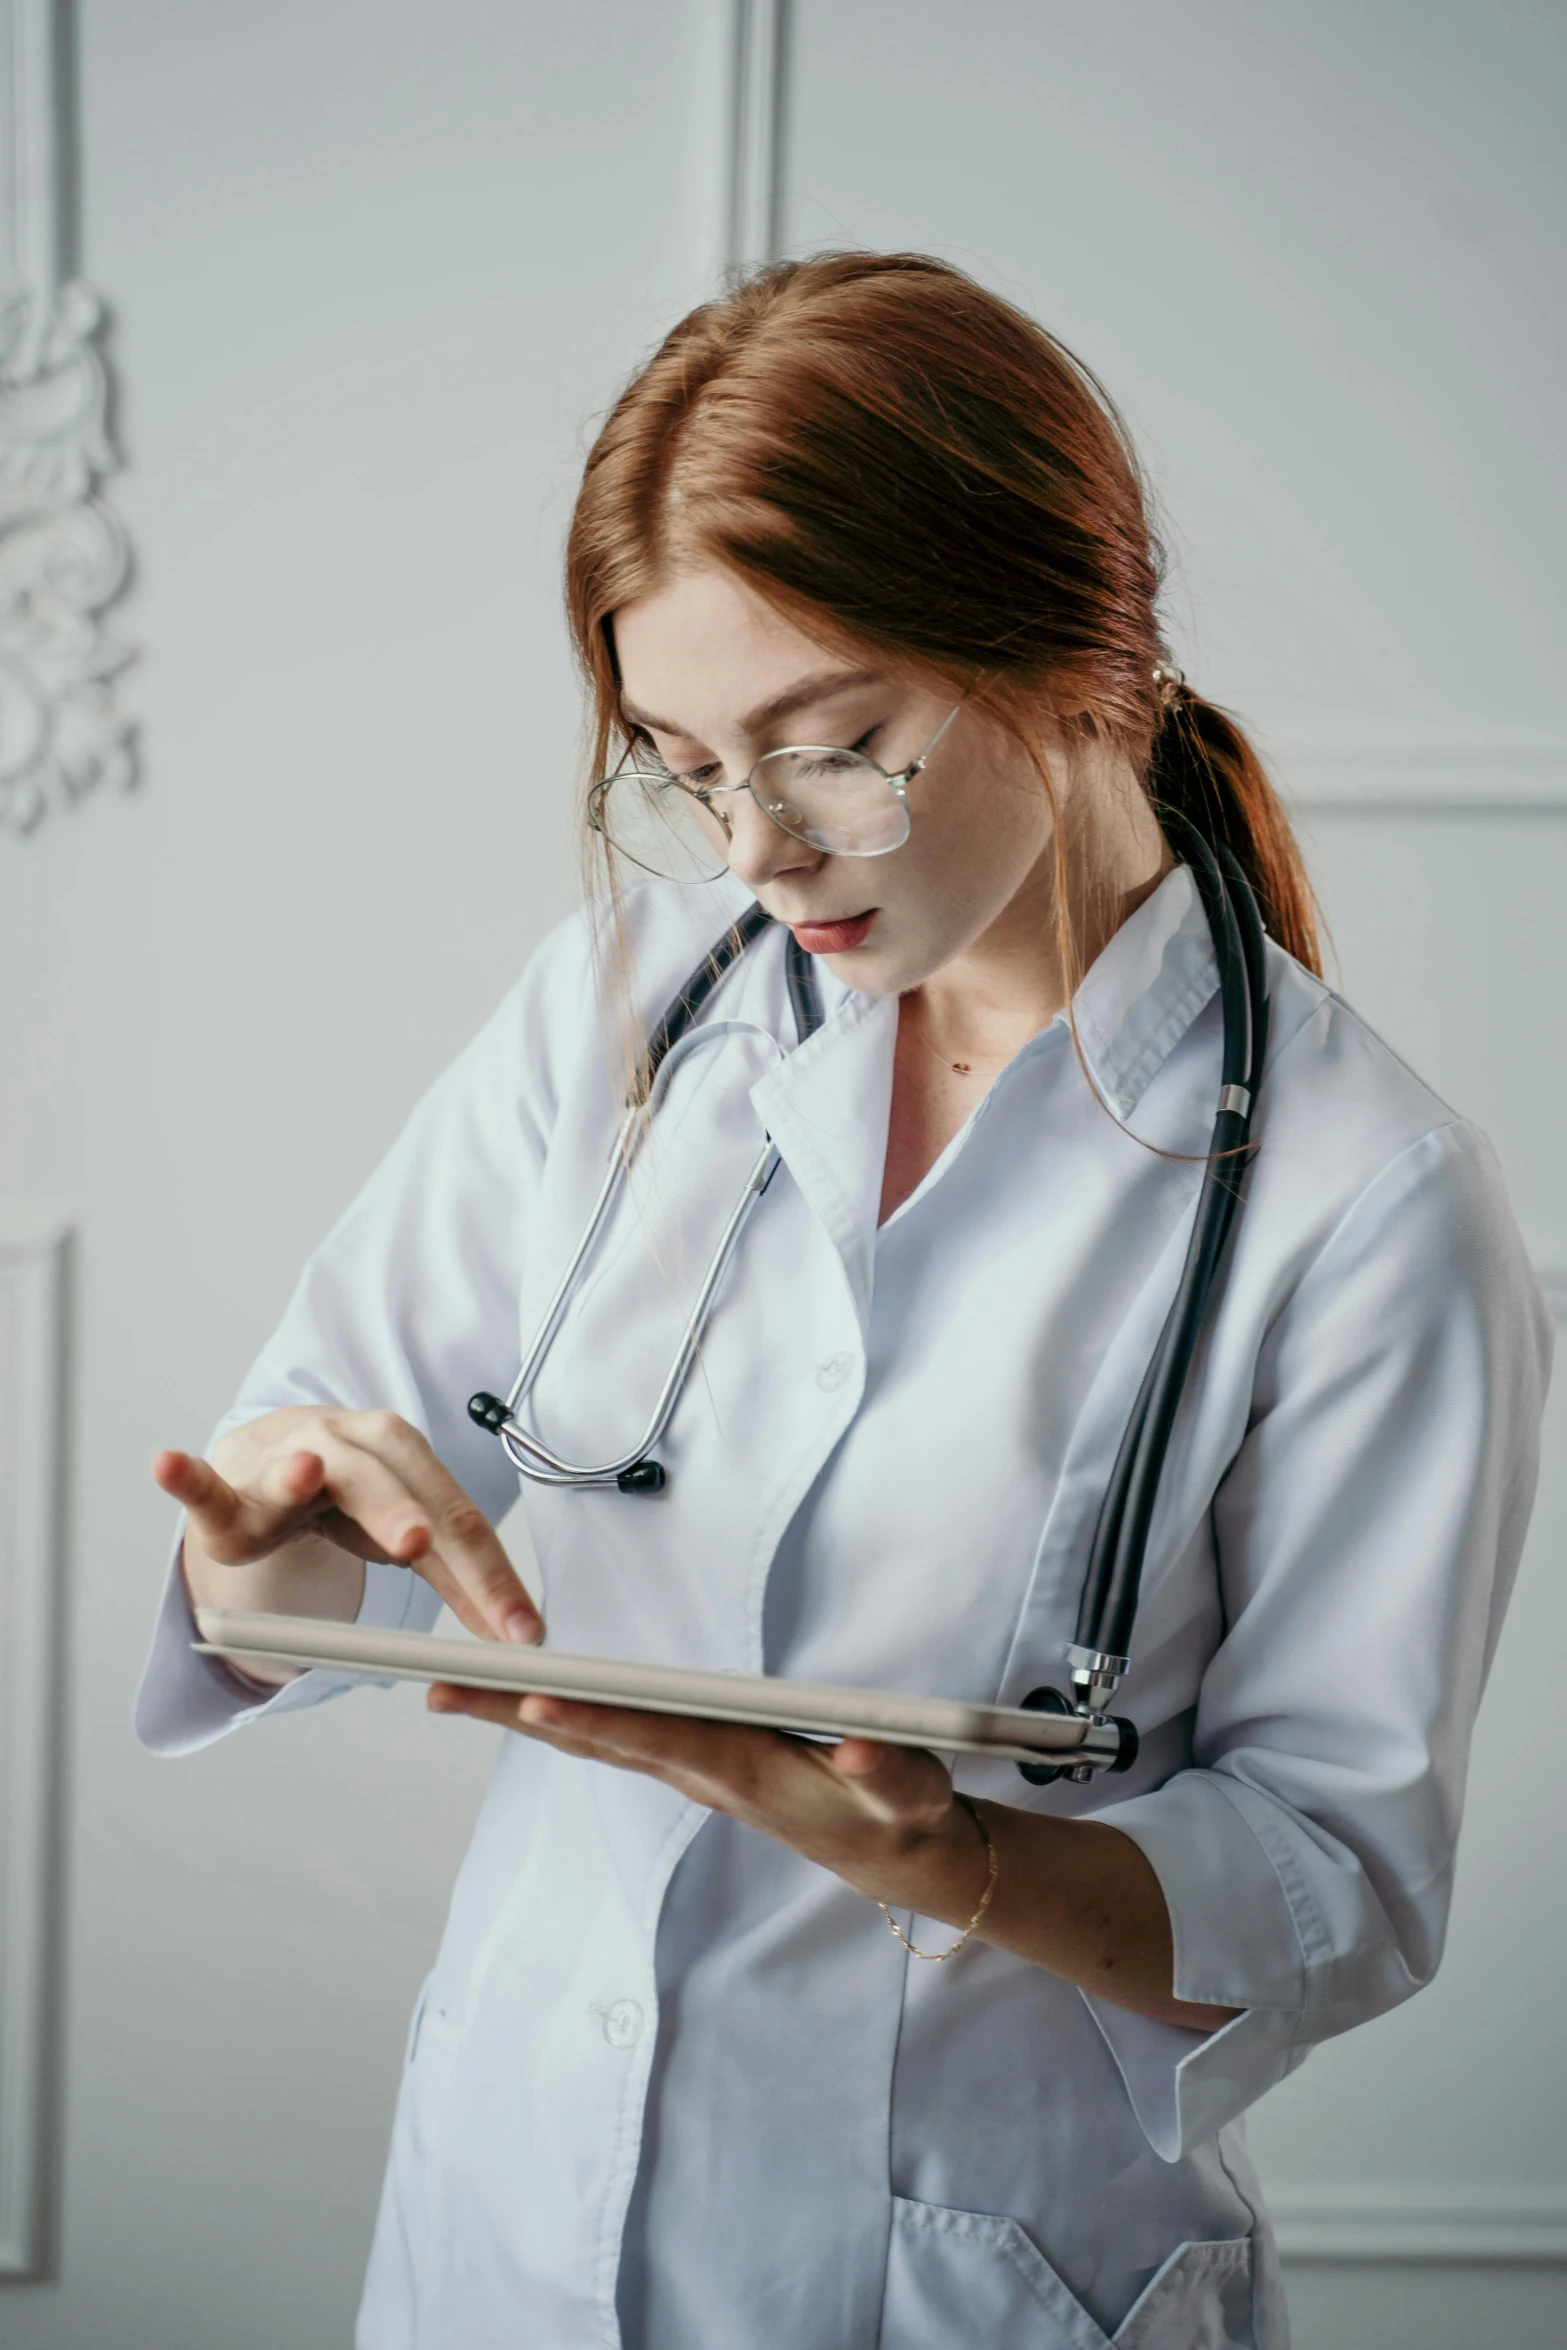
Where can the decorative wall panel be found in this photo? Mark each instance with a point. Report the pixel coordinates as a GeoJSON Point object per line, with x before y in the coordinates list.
{"type": "Point", "coordinates": [32, 1354]}
{"type": "Point", "coordinates": [1470, 2224]}
{"type": "Point", "coordinates": [759, 33]}
{"type": "Point", "coordinates": [63, 553]}
{"type": "Point", "coordinates": [1428, 779]}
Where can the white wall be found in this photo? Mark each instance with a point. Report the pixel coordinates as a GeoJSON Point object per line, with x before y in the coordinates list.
{"type": "Point", "coordinates": [376, 268]}
{"type": "Point", "coordinates": [1315, 253]}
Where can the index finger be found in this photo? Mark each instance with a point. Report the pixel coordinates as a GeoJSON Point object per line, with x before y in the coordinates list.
{"type": "Point", "coordinates": [463, 1543]}
{"type": "Point", "coordinates": [238, 1526]}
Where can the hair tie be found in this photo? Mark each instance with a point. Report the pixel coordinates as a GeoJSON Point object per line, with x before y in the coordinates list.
{"type": "Point", "coordinates": [1170, 684]}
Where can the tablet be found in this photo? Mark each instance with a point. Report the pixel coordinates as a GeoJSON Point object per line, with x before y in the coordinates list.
{"type": "Point", "coordinates": [808, 1709]}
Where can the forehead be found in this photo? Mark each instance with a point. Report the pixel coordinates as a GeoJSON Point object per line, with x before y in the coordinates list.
{"type": "Point", "coordinates": [704, 650]}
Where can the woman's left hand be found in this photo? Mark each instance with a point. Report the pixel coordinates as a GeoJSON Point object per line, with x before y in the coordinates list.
{"type": "Point", "coordinates": [881, 1817]}
{"type": "Point", "coordinates": [1075, 1896]}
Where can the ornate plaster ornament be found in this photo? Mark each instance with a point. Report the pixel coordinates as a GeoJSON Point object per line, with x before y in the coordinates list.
{"type": "Point", "coordinates": [64, 558]}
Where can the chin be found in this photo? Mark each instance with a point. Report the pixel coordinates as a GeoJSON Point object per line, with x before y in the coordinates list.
{"type": "Point", "coordinates": [870, 970]}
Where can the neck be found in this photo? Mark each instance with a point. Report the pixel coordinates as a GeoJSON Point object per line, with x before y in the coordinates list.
{"type": "Point", "coordinates": [985, 1004]}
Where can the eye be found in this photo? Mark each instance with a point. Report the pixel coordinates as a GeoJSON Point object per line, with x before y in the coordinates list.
{"type": "Point", "coordinates": [825, 766]}
{"type": "Point", "coordinates": [650, 761]}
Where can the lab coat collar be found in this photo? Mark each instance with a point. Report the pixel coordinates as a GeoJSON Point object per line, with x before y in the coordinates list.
{"type": "Point", "coordinates": [1142, 994]}
{"type": "Point", "coordinates": [1137, 999]}
{"type": "Point", "coordinates": [826, 1106]}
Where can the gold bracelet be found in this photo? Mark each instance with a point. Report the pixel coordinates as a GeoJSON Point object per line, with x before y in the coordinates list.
{"type": "Point", "coordinates": [985, 1898]}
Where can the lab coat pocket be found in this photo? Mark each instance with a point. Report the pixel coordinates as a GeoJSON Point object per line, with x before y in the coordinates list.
{"type": "Point", "coordinates": [967, 2276]}
{"type": "Point", "coordinates": [970, 2276]}
{"type": "Point", "coordinates": [1201, 2298]}
{"type": "Point", "coordinates": [408, 2233]}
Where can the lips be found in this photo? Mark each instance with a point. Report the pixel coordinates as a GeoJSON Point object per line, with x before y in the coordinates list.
{"type": "Point", "coordinates": [834, 938]}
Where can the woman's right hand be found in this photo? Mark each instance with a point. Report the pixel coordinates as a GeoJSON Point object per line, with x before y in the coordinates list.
{"type": "Point", "coordinates": [290, 1506]}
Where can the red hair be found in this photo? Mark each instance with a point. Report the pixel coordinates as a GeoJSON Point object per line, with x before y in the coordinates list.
{"type": "Point", "coordinates": [899, 459]}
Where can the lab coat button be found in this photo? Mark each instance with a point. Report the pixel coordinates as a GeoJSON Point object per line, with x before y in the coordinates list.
{"type": "Point", "coordinates": [833, 1372]}
{"type": "Point", "coordinates": [622, 2023]}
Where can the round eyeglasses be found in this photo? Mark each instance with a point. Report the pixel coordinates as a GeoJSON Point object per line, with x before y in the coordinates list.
{"type": "Point", "coordinates": [841, 802]}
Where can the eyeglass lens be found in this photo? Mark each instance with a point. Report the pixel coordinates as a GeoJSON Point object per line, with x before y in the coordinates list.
{"type": "Point", "coordinates": [833, 800]}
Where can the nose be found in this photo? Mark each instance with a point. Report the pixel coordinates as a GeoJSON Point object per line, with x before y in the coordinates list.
{"type": "Point", "coordinates": [760, 851]}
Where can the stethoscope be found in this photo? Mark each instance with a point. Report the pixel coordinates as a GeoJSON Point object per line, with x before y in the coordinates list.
{"type": "Point", "coordinates": [675, 1036]}
{"type": "Point", "coordinates": [1100, 1652]}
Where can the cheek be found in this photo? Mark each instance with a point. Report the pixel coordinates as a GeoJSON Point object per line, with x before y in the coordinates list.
{"type": "Point", "coordinates": [954, 877]}
{"type": "Point", "coordinates": [979, 847]}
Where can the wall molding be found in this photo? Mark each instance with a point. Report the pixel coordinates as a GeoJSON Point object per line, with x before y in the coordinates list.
{"type": "Point", "coordinates": [32, 1383]}
{"type": "Point", "coordinates": [758, 61]}
{"type": "Point", "coordinates": [1420, 2225]}
{"type": "Point", "coordinates": [1425, 779]}
{"type": "Point", "coordinates": [64, 558]}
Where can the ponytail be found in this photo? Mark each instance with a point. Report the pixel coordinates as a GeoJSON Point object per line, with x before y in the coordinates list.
{"type": "Point", "coordinates": [1203, 768]}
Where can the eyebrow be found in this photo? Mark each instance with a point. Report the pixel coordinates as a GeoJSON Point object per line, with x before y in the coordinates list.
{"type": "Point", "coordinates": [817, 688]}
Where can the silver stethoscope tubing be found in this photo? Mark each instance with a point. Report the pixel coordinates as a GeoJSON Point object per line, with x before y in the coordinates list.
{"type": "Point", "coordinates": [1100, 1653]}
{"type": "Point", "coordinates": [636, 1471]}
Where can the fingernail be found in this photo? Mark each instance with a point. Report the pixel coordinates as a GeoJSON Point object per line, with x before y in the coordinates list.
{"type": "Point", "coordinates": [522, 1626]}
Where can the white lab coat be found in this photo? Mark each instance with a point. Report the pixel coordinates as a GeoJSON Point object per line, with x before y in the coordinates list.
{"type": "Point", "coordinates": [670, 2085]}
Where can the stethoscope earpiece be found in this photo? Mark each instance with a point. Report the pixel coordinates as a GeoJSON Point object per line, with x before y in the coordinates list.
{"type": "Point", "coordinates": [643, 1477]}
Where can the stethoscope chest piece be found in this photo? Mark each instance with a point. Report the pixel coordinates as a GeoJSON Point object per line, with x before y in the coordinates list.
{"type": "Point", "coordinates": [1120, 1736]}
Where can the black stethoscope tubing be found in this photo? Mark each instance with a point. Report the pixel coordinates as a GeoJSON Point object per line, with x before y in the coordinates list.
{"type": "Point", "coordinates": [804, 1000]}
{"type": "Point", "coordinates": [1114, 1570]}
{"type": "Point", "coordinates": [1100, 1651]}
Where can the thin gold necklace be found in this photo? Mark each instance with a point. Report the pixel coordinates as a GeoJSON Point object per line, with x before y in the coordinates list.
{"type": "Point", "coordinates": [958, 1068]}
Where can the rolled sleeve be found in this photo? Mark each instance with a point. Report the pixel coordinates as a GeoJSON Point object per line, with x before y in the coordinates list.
{"type": "Point", "coordinates": [1242, 1925]}
{"type": "Point", "coordinates": [1365, 1536]}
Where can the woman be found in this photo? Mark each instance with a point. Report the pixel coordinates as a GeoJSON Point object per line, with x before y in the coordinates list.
{"type": "Point", "coordinates": [673, 2081]}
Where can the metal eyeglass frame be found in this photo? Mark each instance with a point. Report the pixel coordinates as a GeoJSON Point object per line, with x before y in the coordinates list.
{"type": "Point", "coordinates": [706, 795]}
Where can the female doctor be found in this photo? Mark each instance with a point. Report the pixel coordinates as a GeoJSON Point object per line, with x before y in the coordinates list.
{"type": "Point", "coordinates": [733, 2039]}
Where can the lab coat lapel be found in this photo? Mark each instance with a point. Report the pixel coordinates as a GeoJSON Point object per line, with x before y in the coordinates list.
{"type": "Point", "coordinates": [826, 1106]}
